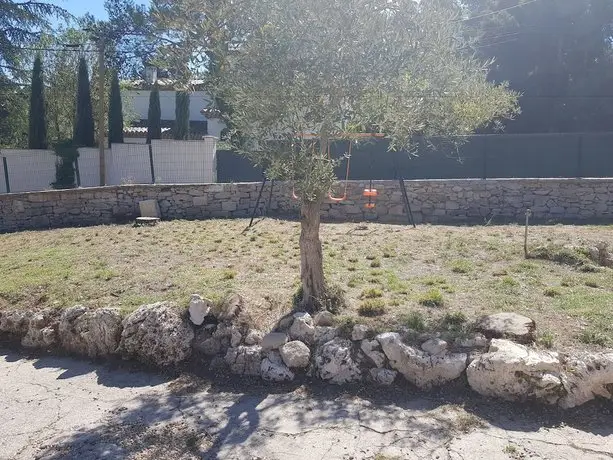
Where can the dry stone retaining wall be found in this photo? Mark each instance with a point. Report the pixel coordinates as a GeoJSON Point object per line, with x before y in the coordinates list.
{"type": "Point", "coordinates": [166, 336]}
{"type": "Point", "coordinates": [432, 201]}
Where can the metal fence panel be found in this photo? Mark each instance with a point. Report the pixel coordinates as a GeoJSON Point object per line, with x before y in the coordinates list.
{"type": "Point", "coordinates": [128, 164]}
{"type": "Point", "coordinates": [30, 170]}
{"type": "Point", "coordinates": [184, 162]}
{"type": "Point", "coordinates": [89, 166]}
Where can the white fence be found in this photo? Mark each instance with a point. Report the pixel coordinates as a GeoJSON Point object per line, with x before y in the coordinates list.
{"type": "Point", "coordinates": [29, 170]}
{"type": "Point", "coordinates": [173, 162]}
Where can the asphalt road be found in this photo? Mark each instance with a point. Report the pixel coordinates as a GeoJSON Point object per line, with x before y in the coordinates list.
{"type": "Point", "coordinates": [62, 408]}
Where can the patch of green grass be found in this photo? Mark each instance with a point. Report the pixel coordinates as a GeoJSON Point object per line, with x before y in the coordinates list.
{"type": "Point", "coordinates": [562, 255]}
{"type": "Point", "coordinates": [394, 284]}
{"type": "Point", "coordinates": [456, 318]}
{"type": "Point", "coordinates": [595, 337]}
{"type": "Point", "coordinates": [228, 275]}
{"type": "Point", "coordinates": [375, 263]}
{"type": "Point", "coordinates": [546, 339]}
{"type": "Point", "coordinates": [372, 293]}
{"type": "Point", "coordinates": [432, 298]}
{"type": "Point", "coordinates": [371, 257]}
{"type": "Point", "coordinates": [372, 307]}
{"type": "Point", "coordinates": [434, 281]}
{"type": "Point", "coordinates": [414, 320]}
{"type": "Point", "coordinates": [461, 266]}
{"type": "Point", "coordinates": [592, 284]}
{"type": "Point", "coordinates": [552, 292]}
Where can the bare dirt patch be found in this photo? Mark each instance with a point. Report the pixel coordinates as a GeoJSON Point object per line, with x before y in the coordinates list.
{"type": "Point", "coordinates": [433, 277]}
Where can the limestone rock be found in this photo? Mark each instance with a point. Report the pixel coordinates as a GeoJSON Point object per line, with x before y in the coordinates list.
{"type": "Point", "coordinates": [42, 330]}
{"type": "Point", "coordinates": [228, 335]}
{"type": "Point", "coordinates": [253, 337]}
{"type": "Point", "coordinates": [92, 333]}
{"type": "Point", "coordinates": [359, 332]}
{"type": "Point", "coordinates": [383, 376]}
{"type": "Point", "coordinates": [205, 343]}
{"type": "Point", "coordinates": [511, 326]}
{"type": "Point", "coordinates": [324, 334]}
{"type": "Point", "coordinates": [230, 308]}
{"type": "Point", "coordinates": [335, 363]}
{"type": "Point", "coordinates": [371, 349]}
{"type": "Point", "coordinates": [516, 373]}
{"type": "Point", "coordinates": [477, 340]}
{"type": "Point", "coordinates": [587, 377]}
{"type": "Point", "coordinates": [274, 370]}
{"type": "Point", "coordinates": [324, 319]}
{"type": "Point", "coordinates": [419, 368]}
{"type": "Point", "coordinates": [285, 323]}
{"type": "Point", "coordinates": [199, 308]}
{"type": "Point", "coordinates": [156, 334]}
{"type": "Point", "coordinates": [244, 360]}
{"type": "Point", "coordinates": [302, 328]}
{"type": "Point", "coordinates": [274, 340]}
{"type": "Point", "coordinates": [295, 354]}
{"type": "Point", "coordinates": [14, 322]}
{"type": "Point", "coordinates": [434, 347]}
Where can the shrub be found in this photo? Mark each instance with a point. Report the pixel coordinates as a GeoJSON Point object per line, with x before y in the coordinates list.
{"type": "Point", "coordinates": [414, 320]}
{"type": "Point", "coordinates": [432, 298]}
{"type": "Point", "coordinates": [372, 307]}
{"type": "Point", "coordinates": [546, 339]}
{"type": "Point", "coordinates": [592, 337]}
{"type": "Point", "coordinates": [66, 154]}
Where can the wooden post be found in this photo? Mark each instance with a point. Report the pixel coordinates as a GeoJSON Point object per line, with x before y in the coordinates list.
{"type": "Point", "coordinates": [101, 113]}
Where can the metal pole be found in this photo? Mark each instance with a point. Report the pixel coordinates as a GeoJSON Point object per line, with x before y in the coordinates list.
{"type": "Point", "coordinates": [407, 203]}
{"type": "Point", "coordinates": [6, 175]}
{"type": "Point", "coordinates": [78, 174]}
{"type": "Point", "coordinates": [257, 203]}
{"type": "Point", "coordinates": [151, 164]}
{"type": "Point", "coordinates": [101, 114]}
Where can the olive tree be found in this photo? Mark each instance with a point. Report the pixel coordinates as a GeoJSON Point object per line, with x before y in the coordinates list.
{"type": "Point", "coordinates": [298, 74]}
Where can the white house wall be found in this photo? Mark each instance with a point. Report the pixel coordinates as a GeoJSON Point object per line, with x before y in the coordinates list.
{"type": "Point", "coordinates": [138, 103]}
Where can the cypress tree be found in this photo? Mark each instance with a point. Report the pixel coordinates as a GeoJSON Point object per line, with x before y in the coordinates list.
{"type": "Point", "coordinates": [84, 135]}
{"type": "Point", "coordinates": [182, 115]}
{"type": "Point", "coordinates": [154, 117]}
{"type": "Point", "coordinates": [115, 112]}
{"type": "Point", "coordinates": [37, 134]}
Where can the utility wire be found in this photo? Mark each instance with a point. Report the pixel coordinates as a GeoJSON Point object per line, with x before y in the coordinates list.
{"type": "Point", "coordinates": [491, 13]}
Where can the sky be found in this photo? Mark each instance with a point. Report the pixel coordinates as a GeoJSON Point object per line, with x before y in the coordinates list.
{"type": "Point", "coordinates": [81, 7]}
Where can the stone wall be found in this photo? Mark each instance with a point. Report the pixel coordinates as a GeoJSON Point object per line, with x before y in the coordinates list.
{"type": "Point", "coordinates": [432, 201]}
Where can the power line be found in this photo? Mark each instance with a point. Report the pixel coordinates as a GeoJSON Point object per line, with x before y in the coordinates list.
{"type": "Point", "coordinates": [495, 12]}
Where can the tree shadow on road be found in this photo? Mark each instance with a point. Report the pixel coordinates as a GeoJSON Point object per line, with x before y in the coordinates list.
{"type": "Point", "coordinates": [221, 416]}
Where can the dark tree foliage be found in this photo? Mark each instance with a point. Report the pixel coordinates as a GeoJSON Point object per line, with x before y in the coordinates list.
{"type": "Point", "coordinates": [20, 24]}
{"type": "Point", "coordinates": [182, 116]}
{"type": "Point", "coordinates": [37, 134]}
{"type": "Point", "coordinates": [557, 53]}
{"type": "Point", "coordinates": [115, 113]}
{"type": "Point", "coordinates": [154, 116]}
{"type": "Point", "coordinates": [67, 154]}
{"type": "Point", "coordinates": [84, 120]}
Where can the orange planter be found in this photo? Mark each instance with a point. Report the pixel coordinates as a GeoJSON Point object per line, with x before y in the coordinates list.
{"type": "Point", "coordinates": [370, 205]}
{"type": "Point", "coordinates": [370, 193]}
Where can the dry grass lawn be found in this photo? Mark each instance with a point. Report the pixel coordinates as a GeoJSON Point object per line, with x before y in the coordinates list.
{"type": "Point", "coordinates": [435, 277]}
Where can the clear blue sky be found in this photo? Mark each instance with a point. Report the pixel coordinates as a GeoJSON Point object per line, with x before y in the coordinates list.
{"type": "Point", "coordinates": [81, 7]}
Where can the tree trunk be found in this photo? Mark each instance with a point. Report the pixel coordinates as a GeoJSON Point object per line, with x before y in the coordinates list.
{"type": "Point", "coordinates": [311, 269]}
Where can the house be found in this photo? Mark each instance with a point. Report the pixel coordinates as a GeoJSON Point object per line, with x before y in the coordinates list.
{"type": "Point", "coordinates": [136, 105]}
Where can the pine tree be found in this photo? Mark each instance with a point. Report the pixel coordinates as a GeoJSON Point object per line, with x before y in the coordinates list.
{"type": "Point", "coordinates": [154, 117]}
{"type": "Point", "coordinates": [115, 113]}
{"type": "Point", "coordinates": [182, 115]}
{"type": "Point", "coordinates": [84, 120]}
{"type": "Point", "coordinates": [37, 135]}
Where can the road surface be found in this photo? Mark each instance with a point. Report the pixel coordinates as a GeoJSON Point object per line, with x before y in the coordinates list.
{"type": "Point", "coordinates": [63, 408]}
